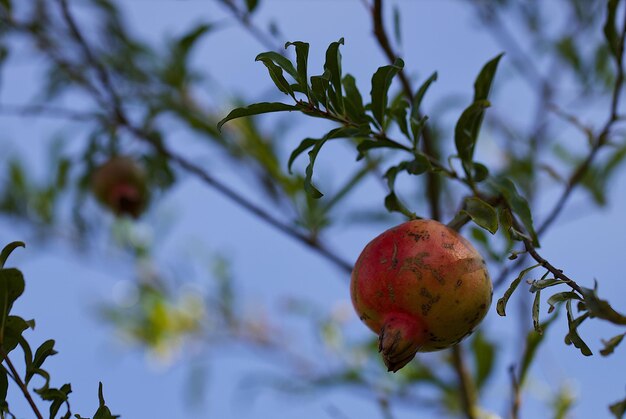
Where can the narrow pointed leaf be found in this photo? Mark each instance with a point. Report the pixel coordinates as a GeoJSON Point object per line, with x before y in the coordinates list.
{"type": "Point", "coordinates": [8, 249]}
{"type": "Point", "coordinates": [333, 66]}
{"type": "Point", "coordinates": [381, 81]}
{"type": "Point", "coordinates": [611, 344]}
{"type": "Point", "coordinates": [502, 302]}
{"type": "Point", "coordinates": [419, 96]}
{"type": "Point", "coordinates": [257, 109]}
{"type": "Point", "coordinates": [302, 58]}
{"type": "Point", "coordinates": [517, 203]}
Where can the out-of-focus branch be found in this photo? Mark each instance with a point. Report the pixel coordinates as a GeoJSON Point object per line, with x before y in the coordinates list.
{"type": "Point", "coordinates": [428, 146]}
{"type": "Point", "coordinates": [243, 17]}
{"type": "Point", "coordinates": [466, 385]}
{"type": "Point", "coordinates": [46, 111]}
{"type": "Point", "coordinates": [120, 118]}
{"type": "Point", "coordinates": [580, 171]}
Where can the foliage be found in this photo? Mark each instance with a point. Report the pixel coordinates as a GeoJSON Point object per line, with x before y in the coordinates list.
{"type": "Point", "coordinates": [138, 96]}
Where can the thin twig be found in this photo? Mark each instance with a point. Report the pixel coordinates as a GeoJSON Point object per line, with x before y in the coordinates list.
{"type": "Point", "coordinates": [516, 399]}
{"type": "Point", "coordinates": [428, 146]}
{"type": "Point", "coordinates": [20, 383]}
{"type": "Point", "coordinates": [244, 19]}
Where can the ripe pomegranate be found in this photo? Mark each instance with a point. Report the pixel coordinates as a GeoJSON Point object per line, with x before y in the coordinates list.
{"type": "Point", "coordinates": [120, 184]}
{"type": "Point", "coordinates": [421, 287]}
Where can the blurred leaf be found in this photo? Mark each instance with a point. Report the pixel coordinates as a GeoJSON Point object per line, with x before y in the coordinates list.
{"type": "Point", "coordinates": [611, 31]}
{"type": "Point", "coordinates": [482, 85]}
{"type": "Point", "coordinates": [484, 353]}
{"type": "Point", "coordinates": [611, 344]}
{"type": "Point", "coordinates": [483, 214]}
{"type": "Point", "coordinates": [302, 58]}
{"type": "Point", "coordinates": [398, 112]}
{"type": "Point", "coordinates": [381, 81]}
{"type": "Point", "coordinates": [533, 341]}
{"type": "Point", "coordinates": [257, 109]}
{"type": "Point", "coordinates": [573, 336]}
{"type": "Point", "coordinates": [397, 30]}
{"type": "Point", "coordinates": [502, 302]}
{"type": "Point", "coordinates": [333, 66]}
{"type": "Point", "coordinates": [601, 308]}
{"type": "Point", "coordinates": [517, 203]}
{"type": "Point", "coordinates": [618, 409]}
{"type": "Point", "coordinates": [6, 4]}
{"type": "Point", "coordinates": [8, 249]}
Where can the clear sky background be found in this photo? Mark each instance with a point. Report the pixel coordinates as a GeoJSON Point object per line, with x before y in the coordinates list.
{"type": "Point", "coordinates": [438, 35]}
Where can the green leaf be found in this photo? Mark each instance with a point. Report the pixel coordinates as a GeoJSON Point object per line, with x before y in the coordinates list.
{"type": "Point", "coordinates": [4, 385]}
{"type": "Point", "coordinates": [483, 82]}
{"type": "Point", "coordinates": [13, 329]}
{"type": "Point", "coordinates": [11, 287]}
{"type": "Point", "coordinates": [381, 81]}
{"type": "Point", "coordinates": [317, 144]}
{"type": "Point", "coordinates": [368, 144]}
{"type": "Point", "coordinates": [8, 249]}
{"type": "Point", "coordinates": [257, 109]}
{"type": "Point", "coordinates": [6, 4]}
{"type": "Point", "coordinates": [417, 99]}
{"type": "Point", "coordinates": [320, 85]}
{"type": "Point", "coordinates": [399, 113]}
{"type": "Point", "coordinates": [353, 101]}
{"type": "Point", "coordinates": [483, 214]}
{"type": "Point", "coordinates": [484, 353]}
{"type": "Point", "coordinates": [601, 308]}
{"type": "Point", "coordinates": [417, 126]}
{"type": "Point", "coordinates": [572, 336]}
{"type": "Point", "coordinates": [103, 411]}
{"type": "Point", "coordinates": [501, 305]}
{"type": "Point", "coordinates": [304, 145]}
{"type": "Point", "coordinates": [561, 297]}
{"type": "Point", "coordinates": [611, 32]}
{"type": "Point", "coordinates": [333, 66]}
{"type": "Point", "coordinates": [276, 71]}
{"type": "Point", "coordinates": [480, 173]}
{"type": "Point", "coordinates": [535, 312]}
{"type": "Point", "coordinates": [279, 60]}
{"type": "Point", "coordinates": [533, 341]}
{"type": "Point", "coordinates": [611, 344]}
{"type": "Point", "coordinates": [618, 409]}
{"type": "Point", "coordinates": [540, 284]}
{"type": "Point", "coordinates": [517, 203]}
{"type": "Point", "coordinates": [465, 132]}
{"type": "Point", "coordinates": [393, 204]}
{"type": "Point", "coordinates": [302, 58]}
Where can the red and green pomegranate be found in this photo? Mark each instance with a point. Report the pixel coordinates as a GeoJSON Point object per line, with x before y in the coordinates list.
{"type": "Point", "coordinates": [421, 287]}
{"type": "Point", "coordinates": [120, 184]}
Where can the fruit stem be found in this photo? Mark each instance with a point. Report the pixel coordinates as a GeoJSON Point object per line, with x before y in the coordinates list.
{"type": "Point", "coordinates": [400, 339]}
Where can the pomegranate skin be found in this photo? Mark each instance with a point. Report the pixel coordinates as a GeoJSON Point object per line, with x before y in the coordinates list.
{"type": "Point", "coordinates": [121, 185]}
{"type": "Point", "coordinates": [421, 287]}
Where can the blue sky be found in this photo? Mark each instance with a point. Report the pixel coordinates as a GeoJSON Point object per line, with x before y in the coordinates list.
{"type": "Point", "coordinates": [438, 35]}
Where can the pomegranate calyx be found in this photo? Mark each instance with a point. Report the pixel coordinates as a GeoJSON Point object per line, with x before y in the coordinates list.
{"type": "Point", "coordinates": [399, 340]}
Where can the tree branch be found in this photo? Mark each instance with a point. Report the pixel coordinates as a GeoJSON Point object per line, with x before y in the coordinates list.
{"type": "Point", "coordinates": [428, 145]}
{"type": "Point", "coordinates": [466, 385]}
